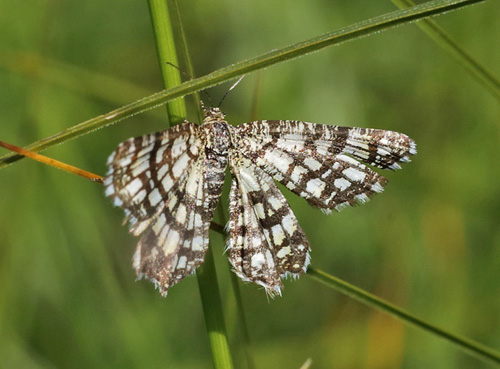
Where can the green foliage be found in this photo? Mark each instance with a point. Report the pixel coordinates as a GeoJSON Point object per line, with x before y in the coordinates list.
{"type": "Point", "coordinates": [430, 243]}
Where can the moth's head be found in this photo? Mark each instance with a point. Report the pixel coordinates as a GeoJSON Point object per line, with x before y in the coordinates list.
{"type": "Point", "coordinates": [213, 115]}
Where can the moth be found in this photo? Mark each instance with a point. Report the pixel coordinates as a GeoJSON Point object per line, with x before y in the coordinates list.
{"type": "Point", "coordinates": [169, 183]}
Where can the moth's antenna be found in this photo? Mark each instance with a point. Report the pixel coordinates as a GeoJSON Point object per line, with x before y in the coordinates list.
{"type": "Point", "coordinates": [180, 70]}
{"type": "Point", "coordinates": [230, 88]}
{"type": "Point", "coordinates": [190, 78]}
{"type": "Point", "coordinates": [210, 101]}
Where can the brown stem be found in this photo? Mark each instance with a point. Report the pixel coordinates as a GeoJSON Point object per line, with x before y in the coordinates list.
{"type": "Point", "coordinates": [55, 163]}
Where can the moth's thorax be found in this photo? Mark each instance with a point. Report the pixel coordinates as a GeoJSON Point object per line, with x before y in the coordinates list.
{"type": "Point", "coordinates": [217, 132]}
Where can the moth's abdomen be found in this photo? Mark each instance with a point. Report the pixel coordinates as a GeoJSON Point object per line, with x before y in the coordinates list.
{"type": "Point", "coordinates": [218, 143]}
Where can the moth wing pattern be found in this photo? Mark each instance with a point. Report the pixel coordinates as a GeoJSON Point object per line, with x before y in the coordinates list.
{"type": "Point", "coordinates": [377, 147]}
{"type": "Point", "coordinates": [169, 183]}
{"type": "Point", "coordinates": [158, 180]}
{"type": "Point", "coordinates": [320, 162]}
{"type": "Point", "coordinates": [265, 240]}
{"type": "Point", "coordinates": [176, 243]}
{"type": "Point", "coordinates": [143, 169]}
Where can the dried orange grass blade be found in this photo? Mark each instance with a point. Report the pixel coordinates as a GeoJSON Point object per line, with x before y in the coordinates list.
{"type": "Point", "coordinates": [52, 162]}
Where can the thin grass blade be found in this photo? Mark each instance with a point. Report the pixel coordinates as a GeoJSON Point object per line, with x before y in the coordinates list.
{"type": "Point", "coordinates": [176, 109]}
{"type": "Point", "coordinates": [462, 56]}
{"type": "Point", "coordinates": [466, 345]}
{"type": "Point", "coordinates": [345, 34]}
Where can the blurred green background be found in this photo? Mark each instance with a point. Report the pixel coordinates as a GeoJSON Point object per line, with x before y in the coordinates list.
{"type": "Point", "coordinates": [430, 243]}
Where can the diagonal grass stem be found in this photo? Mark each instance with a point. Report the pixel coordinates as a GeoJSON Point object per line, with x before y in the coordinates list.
{"type": "Point", "coordinates": [355, 31]}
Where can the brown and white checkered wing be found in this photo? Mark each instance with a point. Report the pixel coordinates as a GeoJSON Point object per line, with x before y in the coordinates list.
{"type": "Point", "coordinates": [158, 180]}
{"type": "Point", "coordinates": [379, 148]}
{"type": "Point", "coordinates": [318, 162]}
{"type": "Point", "coordinates": [176, 243]}
{"type": "Point", "coordinates": [142, 170]}
{"type": "Point", "coordinates": [265, 240]}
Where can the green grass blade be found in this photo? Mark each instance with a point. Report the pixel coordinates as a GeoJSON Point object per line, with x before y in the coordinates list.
{"type": "Point", "coordinates": [443, 39]}
{"type": "Point", "coordinates": [184, 51]}
{"type": "Point", "coordinates": [176, 109]}
{"type": "Point", "coordinates": [212, 308]}
{"type": "Point", "coordinates": [235, 282]}
{"type": "Point", "coordinates": [349, 33]}
{"type": "Point", "coordinates": [240, 306]}
{"type": "Point", "coordinates": [167, 56]}
{"type": "Point", "coordinates": [471, 347]}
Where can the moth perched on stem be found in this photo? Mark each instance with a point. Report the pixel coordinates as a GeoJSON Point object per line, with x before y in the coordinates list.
{"type": "Point", "coordinates": [169, 184]}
